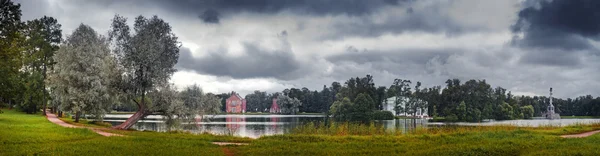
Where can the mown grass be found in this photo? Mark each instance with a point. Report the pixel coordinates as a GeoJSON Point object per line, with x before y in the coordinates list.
{"type": "Point", "coordinates": [24, 134]}
{"type": "Point", "coordinates": [580, 117]}
{"type": "Point", "coordinates": [86, 123]}
{"type": "Point", "coordinates": [367, 139]}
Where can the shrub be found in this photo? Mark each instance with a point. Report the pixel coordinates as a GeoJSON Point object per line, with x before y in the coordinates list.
{"type": "Point", "coordinates": [383, 115]}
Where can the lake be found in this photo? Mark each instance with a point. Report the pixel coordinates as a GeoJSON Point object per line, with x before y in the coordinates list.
{"type": "Point", "coordinates": [255, 126]}
{"type": "Point", "coordinates": [252, 126]}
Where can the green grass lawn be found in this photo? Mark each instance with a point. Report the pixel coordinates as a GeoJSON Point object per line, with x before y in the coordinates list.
{"type": "Point", "coordinates": [26, 134]}
{"type": "Point", "coordinates": [23, 134]}
{"type": "Point", "coordinates": [580, 117]}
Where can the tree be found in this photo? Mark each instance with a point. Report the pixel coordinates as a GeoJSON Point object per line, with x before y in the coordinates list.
{"type": "Point", "coordinates": [381, 97]}
{"type": "Point", "coordinates": [527, 111]}
{"type": "Point", "coordinates": [362, 108]}
{"type": "Point", "coordinates": [288, 105]}
{"type": "Point", "coordinates": [401, 88]}
{"type": "Point", "coordinates": [11, 43]}
{"type": "Point", "coordinates": [83, 78]}
{"type": "Point", "coordinates": [198, 103]}
{"type": "Point", "coordinates": [42, 39]}
{"type": "Point", "coordinates": [341, 109]}
{"type": "Point", "coordinates": [148, 56]}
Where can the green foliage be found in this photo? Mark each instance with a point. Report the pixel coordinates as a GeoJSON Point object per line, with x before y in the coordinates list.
{"type": "Point", "coordinates": [147, 55]}
{"type": "Point", "coordinates": [527, 111]}
{"type": "Point", "coordinates": [507, 112]}
{"type": "Point", "coordinates": [359, 110]}
{"type": "Point", "coordinates": [83, 77]}
{"type": "Point", "coordinates": [288, 105]}
{"type": "Point", "coordinates": [382, 115]}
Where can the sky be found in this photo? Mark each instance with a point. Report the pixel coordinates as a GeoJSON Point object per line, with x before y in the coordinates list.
{"type": "Point", "coordinates": [525, 46]}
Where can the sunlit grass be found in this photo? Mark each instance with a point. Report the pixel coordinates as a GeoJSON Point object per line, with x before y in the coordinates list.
{"type": "Point", "coordinates": [23, 134]}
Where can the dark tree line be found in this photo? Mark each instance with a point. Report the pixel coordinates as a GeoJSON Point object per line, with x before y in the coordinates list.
{"type": "Point", "coordinates": [473, 100]}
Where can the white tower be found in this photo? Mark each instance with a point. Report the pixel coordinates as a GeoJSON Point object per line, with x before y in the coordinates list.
{"type": "Point", "coordinates": [550, 114]}
{"type": "Point", "coordinates": [551, 107]}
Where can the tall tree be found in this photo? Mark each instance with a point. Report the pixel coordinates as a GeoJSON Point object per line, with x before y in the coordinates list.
{"type": "Point", "coordinates": [42, 39]}
{"type": "Point", "coordinates": [83, 78]}
{"type": "Point", "coordinates": [288, 105]}
{"type": "Point", "coordinates": [148, 56]}
{"type": "Point", "coordinates": [11, 43]}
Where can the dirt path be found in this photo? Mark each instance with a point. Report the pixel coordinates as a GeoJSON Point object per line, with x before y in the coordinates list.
{"type": "Point", "coordinates": [581, 135]}
{"type": "Point", "coordinates": [227, 151]}
{"type": "Point", "coordinates": [54, 119]}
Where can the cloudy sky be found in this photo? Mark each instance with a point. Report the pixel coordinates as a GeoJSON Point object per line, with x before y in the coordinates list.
{"type": "Point", "coordinates": [526, 46]}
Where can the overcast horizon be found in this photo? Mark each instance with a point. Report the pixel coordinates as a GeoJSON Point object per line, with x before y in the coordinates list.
{"type": "Point", "coordinates": [525, 46]}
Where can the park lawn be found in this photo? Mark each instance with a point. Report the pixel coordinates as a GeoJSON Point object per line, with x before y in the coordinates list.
{"type": "Point", "coordinates": [23, 134]}
{"type": "Point", "coordinates": [26, 134]}
{"type": "Point", "coordinates": [580, 117]}
{"type": "Point", "coordinates": [515, 142]}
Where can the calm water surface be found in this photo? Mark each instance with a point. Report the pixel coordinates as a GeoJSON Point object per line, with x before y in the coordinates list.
{"type": "Point", "coordinates": [254, 126]}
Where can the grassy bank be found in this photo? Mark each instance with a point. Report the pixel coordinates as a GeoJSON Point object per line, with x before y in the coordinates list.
{"type": "Point", "coordinates": [580, 117]}
{"type": "Point", "coordinates": [354, 139]}
{"type": "Point", "coordinates": [23, 134]}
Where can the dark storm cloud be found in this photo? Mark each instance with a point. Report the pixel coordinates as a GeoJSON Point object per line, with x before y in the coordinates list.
{"type": "Point", "coordinates": [210, 16]}
{"type": "Point", "coordinates": [428, 19]}
{"type": "Point", "coordinates": [255, 63]}
{"type": "Point", "coordinates": [557, 32]}
{"type": "Point", "coordinates": [312, 7]}
{"type": "Point", "coordinates": [563, 24]}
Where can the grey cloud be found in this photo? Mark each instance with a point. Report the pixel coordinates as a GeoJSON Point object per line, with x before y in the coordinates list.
{"type": "Point", "coordinates": [557, 32]}
{"type": "Point", "coordinates": [401, 61]}
{"type": "Point", "coordinates": [210, 16]}
{"type": "Point", "coordinates": [564, 24]}
{"type": "Point", "coordinates": [255, 63]}
{"type": "Point", "coordinates": [313, 7]}
{"type": "Point", "coordinates": [429, 18]}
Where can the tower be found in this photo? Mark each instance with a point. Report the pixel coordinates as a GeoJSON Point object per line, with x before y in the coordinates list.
{"type": "Point", "coordinates": [550, 114]}
{"type": "Point", "coordinates": [551, 107]}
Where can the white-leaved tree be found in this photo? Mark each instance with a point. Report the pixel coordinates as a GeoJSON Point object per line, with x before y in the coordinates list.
{"type": "Point", "coordinates": [84, 75]}
{"type": "Point", "coordinates": [147, 55]}
{"type": "Point", "coordinates": [288, 105]}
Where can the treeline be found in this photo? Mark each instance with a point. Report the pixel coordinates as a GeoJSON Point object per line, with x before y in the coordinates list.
{"type": "Point", "coordinates": [89, 73]}
{"type": "Point", "coordinates": [473, 100]}
{"type": "Point", "coordinates": [26, 57]}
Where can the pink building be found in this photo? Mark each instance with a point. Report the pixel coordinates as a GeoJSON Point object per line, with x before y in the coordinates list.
{"type": "Point", "coordinates": [275, 107]}
{"type": "Point", "coordinates": [235, 103]}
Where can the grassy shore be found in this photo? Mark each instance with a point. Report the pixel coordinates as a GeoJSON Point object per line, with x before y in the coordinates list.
{"type": "Point", "coordinates": [580, 117]}
{"type": "Point", "coordinates": [23, 134]}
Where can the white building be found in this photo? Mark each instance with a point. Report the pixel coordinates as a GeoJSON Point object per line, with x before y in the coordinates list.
{"type": "Point", "coordinates": [390, 103]}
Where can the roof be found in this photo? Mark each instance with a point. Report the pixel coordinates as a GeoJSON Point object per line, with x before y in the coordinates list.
{"type": "Point", "coordinates": [233, 93]}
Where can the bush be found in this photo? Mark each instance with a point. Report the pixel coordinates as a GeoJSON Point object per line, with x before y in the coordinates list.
{"type": "Point", "coordinates": [383, 115]}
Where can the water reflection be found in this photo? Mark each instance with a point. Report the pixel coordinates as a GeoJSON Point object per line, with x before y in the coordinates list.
{"type": "Point", "coordinates": [254, 126]}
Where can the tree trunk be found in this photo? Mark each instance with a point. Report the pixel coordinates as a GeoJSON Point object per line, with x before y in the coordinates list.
{"type": "Point", "coordinates": [140, 114]}
{"type": "Point", "coordinates": [77, 115]}
{"type": "Point", "coordinates": [60, 114]}
{"type": "Point", "coordinates": [44, 89]}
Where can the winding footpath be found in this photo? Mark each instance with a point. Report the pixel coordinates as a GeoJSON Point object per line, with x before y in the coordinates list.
{"type": "Point", "coordinates": [54, 119]}
{"type": "Point", "coordinates": [581, 135]}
